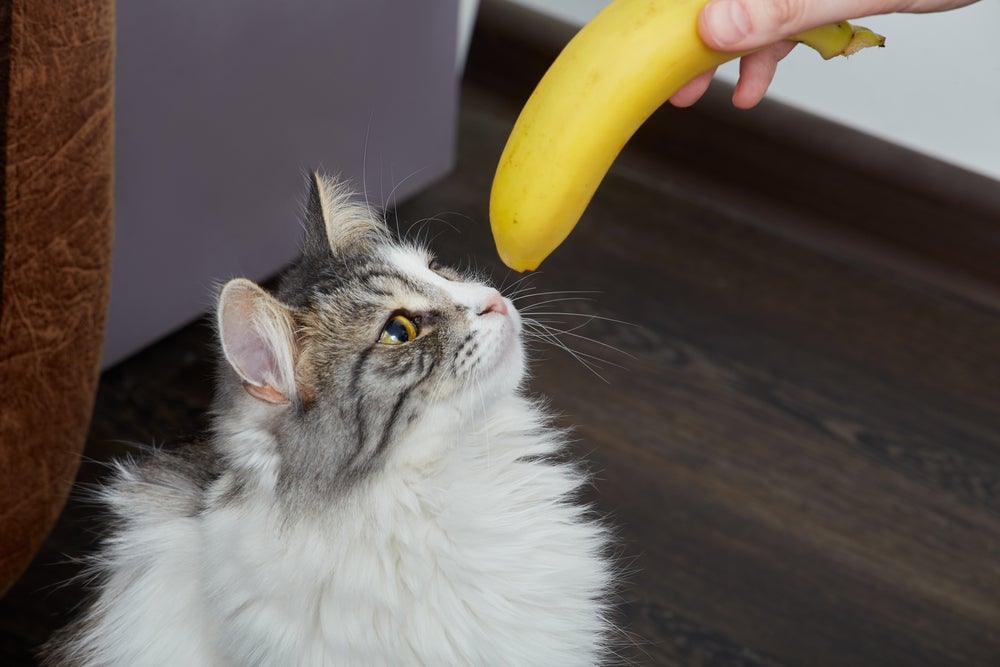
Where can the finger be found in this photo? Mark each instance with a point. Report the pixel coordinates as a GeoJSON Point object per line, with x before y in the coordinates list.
{"type": "Point", "coordinates": [739, 25]}
{"type": "Point", "coordinates": [930, 6]}
{"type": "Point", "coordinates": [692, 91]}
{"type": "Point", "coordinates": [757, 72]}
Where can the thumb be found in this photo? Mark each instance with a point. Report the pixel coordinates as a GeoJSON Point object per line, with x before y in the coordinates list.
{"type": "Point", "coordinates": [745, 25]}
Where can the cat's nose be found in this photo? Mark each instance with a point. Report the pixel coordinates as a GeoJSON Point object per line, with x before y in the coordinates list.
{"type": "Point", "coordinates": [494, 304]}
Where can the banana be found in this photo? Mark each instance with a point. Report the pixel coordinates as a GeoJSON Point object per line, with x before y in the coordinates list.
{"type": "Point", "coordinates": [612, 75]}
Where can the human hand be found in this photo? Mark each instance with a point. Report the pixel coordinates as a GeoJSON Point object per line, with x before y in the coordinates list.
{"type": "Point", "coordinates": [764, 26]}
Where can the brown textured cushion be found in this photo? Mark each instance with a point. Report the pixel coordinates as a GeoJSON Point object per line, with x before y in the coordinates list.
{"type": "Point", "coordinates": [56, 257]}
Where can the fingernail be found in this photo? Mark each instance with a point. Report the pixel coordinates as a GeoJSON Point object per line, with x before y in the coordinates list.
{"type": "Point", "coordinates": [727, 21]}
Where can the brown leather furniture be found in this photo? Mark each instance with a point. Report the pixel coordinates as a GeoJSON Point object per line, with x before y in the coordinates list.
{"type": "Point", "coordinates": [56, 101]}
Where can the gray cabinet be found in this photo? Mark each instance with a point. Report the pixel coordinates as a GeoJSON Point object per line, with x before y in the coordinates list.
{"type": "Point", "coordinates": [221, 108]}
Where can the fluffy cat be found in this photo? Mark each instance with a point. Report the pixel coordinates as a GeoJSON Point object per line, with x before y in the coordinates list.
{"type": "Point", "coordinates": [376, 489]}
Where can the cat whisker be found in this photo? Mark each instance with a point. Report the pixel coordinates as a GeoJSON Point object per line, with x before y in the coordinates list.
{"type": "Point", "coordinates": [588, 316]}
{"type": "Point", "coordinates": [579, 354]}
{"type": "Point", "coordinates": [420, 229]}
{"type": "Point", "coordinates": [520, 293]}
{"type": "Point", "coordinates": [569, 332]}
{"type": "Point", "coordinates": [548, 334]}
{"type": "Point", "coordinates": [568, 293]}
{"type": "Point", "coordinates": [550, 320]}
{"type": "Point", "coordinates": [579, 357]}
{"type": "Point", "coordinates": [547, 326]}
{"type": "Point", "coordinates": [532, 306]}
{"type": "Point", "coordinates": [529, 290]}
{"type": "Point", "coordinates": [561, 326]}
{"type": "Point", "coordinates": [389, 201]}
{"type": "Point", "coordinates": [364, 168]}
{"type": "Point", "coordinates": [514, 284]}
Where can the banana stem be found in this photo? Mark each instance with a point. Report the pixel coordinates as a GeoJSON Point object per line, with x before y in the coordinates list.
{"type": "Point", "coordinates": [839, 39]}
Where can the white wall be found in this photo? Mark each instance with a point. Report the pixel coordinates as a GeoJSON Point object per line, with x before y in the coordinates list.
{"type": "Point", "coordinates": [935, 87]}
{"type": "Point", "coordinates": [466, 22]}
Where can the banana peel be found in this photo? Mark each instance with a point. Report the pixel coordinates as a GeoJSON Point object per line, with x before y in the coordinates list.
{"type": "Point", "coordinates": [618, 69]}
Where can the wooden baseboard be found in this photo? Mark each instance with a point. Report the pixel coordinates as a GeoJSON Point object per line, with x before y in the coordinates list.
{"type": "Point", "coordinates": [807, 178]}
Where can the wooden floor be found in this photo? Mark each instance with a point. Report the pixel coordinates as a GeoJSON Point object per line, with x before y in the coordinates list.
{"type": "Point", "coordinates": [801, 451]}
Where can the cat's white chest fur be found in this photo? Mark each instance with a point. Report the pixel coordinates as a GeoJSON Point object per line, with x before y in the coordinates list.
{"type": "Point", "coordinates": [478, 561]}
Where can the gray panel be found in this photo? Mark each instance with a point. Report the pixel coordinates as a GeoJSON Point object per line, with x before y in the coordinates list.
{"type": "Point", "coordinates": [221, 107]}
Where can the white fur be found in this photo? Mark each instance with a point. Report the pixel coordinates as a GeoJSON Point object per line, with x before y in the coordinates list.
{"type": "Point", "coordinates": [476, 557]}
{"type": "Point", "coordinates": [475, 561]}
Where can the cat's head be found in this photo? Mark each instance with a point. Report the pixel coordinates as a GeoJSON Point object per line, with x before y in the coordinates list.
{"type": "Point", "coordinates": [366, 338]}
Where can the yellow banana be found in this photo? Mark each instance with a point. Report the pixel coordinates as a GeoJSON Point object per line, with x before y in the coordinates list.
{"type": "Point", "coordinates": [612, 75]}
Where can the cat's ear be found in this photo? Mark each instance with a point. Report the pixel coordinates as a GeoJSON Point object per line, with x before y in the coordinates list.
{"type": "Point", "coordinates": [257, 337]}
{"type": "Point", "coordinates": [334, 218]}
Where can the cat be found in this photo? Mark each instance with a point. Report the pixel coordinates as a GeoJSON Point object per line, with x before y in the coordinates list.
{"type": "Point", "coordinates": [376, 488]}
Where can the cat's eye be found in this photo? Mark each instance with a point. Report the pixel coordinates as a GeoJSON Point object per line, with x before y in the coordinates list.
{"type": "Point", "coordinates": [399, 329]}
